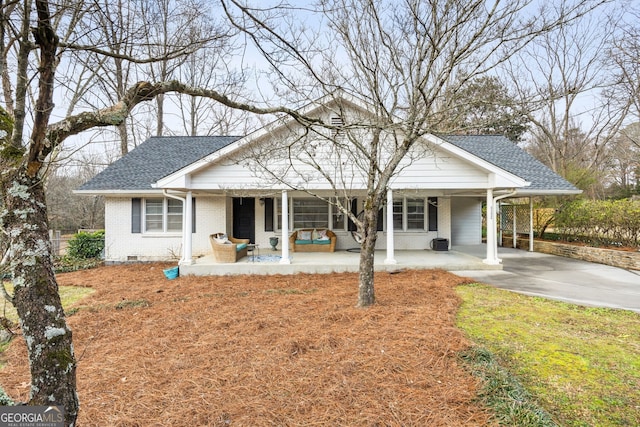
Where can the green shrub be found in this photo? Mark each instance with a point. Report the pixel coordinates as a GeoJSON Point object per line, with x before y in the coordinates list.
{"type": "Point", "coordinates": [601, 222]}
{"type": "Point", "coordinates": [85, 245]}
{"type": "Point", "coordinates": [66, 264]}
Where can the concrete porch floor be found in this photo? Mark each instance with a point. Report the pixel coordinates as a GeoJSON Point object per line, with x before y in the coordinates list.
{"type": "Point", "coordinates": [460, 258]}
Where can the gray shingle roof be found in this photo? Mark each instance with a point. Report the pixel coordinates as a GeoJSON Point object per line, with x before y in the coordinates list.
{"type": "Point", "coordinates": [155, 158]}
{"type": "Point", "coordinates": [501, 152]}
{"type": "Point", "coordinates": [158, 157]}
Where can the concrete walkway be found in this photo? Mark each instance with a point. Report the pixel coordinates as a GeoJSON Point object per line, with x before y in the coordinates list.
{"type": "Point", "coordinates": [560, 278]}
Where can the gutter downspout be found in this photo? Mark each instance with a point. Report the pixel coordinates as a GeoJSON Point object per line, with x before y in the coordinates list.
{"type": "Point", "coordinates": [187, 226]}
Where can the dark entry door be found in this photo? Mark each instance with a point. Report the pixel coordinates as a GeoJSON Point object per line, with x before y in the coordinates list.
{"type": "Point", "coordinates": [244, 218]}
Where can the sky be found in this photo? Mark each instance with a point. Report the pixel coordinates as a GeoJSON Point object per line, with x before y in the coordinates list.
{"type": "Point", "coordinates": [248, 58]}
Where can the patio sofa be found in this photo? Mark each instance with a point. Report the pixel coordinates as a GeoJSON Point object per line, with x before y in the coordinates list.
{"type": "Point", "coordinates": [228, 249]}
{"type": "Point", "coordinates": [312, 240]}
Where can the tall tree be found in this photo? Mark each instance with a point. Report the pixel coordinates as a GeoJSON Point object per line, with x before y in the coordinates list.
{"type": "Point", "coordinates": [483, 105]}
{"type": "Point", "coordinates": [28, 138]}
{"type": "Point", "coordinates": [574, 155]}
{"type": "Point", "coordinates": [202, 116]}
{"type": "Point", "coordinates": [113, 28]}
{"type": "Point", "coordinates": [123, 41]}
{"type": "Point", "coordinates": [623, 61]}
{"type": "Point", "coordinates": [400, 58]}
{"type": "Point", "coordinates": [68, 211]}
{"type": "Point", "coordinates": [421, 45]}
{"type": "Point", "coordinates": [559, 75]}
{"type": "Point", "coordinates": [623, 166]}
{"type": "Point", "coordinates": [185, 24]}
{"type": "Point", "coordinates": [24, 215]}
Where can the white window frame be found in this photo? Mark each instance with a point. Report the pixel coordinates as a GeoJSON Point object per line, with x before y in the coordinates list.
{"type": "Point", "coordinates": [291, 205]}
{"type": "Point", "coordinates": [407, 200]}
{"type": "Point", "coordinates": [405, 214]}
{"type": "Point", "coordinates": [311, 218]}
{"type": "Point", "coordinates": [166, 214]}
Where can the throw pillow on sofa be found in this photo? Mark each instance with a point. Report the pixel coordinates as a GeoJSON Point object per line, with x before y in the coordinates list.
{"type": "Point", "coordinates": [319, 236]}
{"type": "Point", "coordinates": [304, 235]}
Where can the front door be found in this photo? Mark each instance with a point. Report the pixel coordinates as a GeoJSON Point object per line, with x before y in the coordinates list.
{"type": "Point", "coordinates": [244, 218]}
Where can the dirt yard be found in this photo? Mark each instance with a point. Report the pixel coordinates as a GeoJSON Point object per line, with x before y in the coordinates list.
{"type": "Point", "coordinates": [264, 351]}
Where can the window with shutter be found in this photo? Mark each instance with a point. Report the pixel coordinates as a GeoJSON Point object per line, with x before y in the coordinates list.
{"type": "Point", "coordinates": [159, 215]}
{"type": "Point", "coordinates": [433, 213]}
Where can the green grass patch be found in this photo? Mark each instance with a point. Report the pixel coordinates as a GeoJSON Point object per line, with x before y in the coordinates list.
{"type": "Point", "coordinates": [68, 295]}
{"type": "Point", "coordinates": [503, 393]}
{"type": "Point", "coordinates": [581, 364]}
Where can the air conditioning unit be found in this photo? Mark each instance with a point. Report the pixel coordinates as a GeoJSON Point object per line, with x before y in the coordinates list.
{"type": "Point", "coordinates": [440, 244]}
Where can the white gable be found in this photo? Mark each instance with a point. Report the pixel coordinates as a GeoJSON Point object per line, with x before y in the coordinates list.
{"type": "Point", "coordinates": [284, 155]}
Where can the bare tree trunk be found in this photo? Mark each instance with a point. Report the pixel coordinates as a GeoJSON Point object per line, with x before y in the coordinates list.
{"type": "Point", "coordinates": [193, 115]}
{"type": "Point", "coordinates": [124, 138]}
{"type": "Point", "coordinates": [36, 299]}
{"type": "Point", "coordinates": [49, 343]}
{"type": "Point", "coordinates": [160, 115]}
{"type": "Point", "coordinates": [366, 291]}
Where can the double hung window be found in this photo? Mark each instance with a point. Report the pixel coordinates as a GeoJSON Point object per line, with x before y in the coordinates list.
{"type": "Point", "coordinates": [415, 214]}
{"type": "Point", "coordinates": [408, 214]}
{"type": "Point", "coordinates": [162, 215]}
{"type": "Point", "coordinates": [310, 213]}
{"type": "Point", "coordinates": [398, 214]}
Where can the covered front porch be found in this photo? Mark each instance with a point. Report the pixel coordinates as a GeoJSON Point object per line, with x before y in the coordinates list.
{"type": "Point", "coordinates": [404, 235]}
{"type": "Point", "coordinates": [266, 261]}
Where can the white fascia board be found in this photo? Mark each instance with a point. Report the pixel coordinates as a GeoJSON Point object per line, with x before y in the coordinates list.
{"type": "Point", "coordinates": [500, 177]}
{"type": "Point", "coordinates": [118, 193]}
{"type": "Point", "coordinates": [178, 179]}
{"type": "Point", "coordinates": [175, 180]}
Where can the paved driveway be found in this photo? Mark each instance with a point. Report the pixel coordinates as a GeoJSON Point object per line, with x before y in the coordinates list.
{"type": "Point", "coordinates": [564, 279]}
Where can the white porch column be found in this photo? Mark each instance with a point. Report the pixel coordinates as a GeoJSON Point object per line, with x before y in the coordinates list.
{"type": "Point", "coordinates": [285, 229]}
{"type": "Point", "coordinates": [530, 224]}
{"type": "Point", "coordinates": [499, 211]}
{"type": "Point", "coordinates": [514, 236]}
{"type": "Point", "coordinates": [187, 236]}
{"type": "Point", "coordinates": [492, 249]}
{"type": "Point", "coordinates": [390, 232]}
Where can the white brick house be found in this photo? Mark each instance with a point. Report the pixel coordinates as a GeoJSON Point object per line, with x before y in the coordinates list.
{"type": "Point", "coordinates": [227, 184]}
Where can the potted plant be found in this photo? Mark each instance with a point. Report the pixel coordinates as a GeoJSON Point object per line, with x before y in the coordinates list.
{"type": "Point", "coordinates": [273, 241]}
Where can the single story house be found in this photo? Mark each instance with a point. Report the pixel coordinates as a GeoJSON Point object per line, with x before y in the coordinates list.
{"type": "Point", "coordinates": [167, 196]}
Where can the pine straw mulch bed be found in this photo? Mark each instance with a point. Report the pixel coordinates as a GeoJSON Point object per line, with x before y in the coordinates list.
{"type": "Point", "coordinates": [264, 351]}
